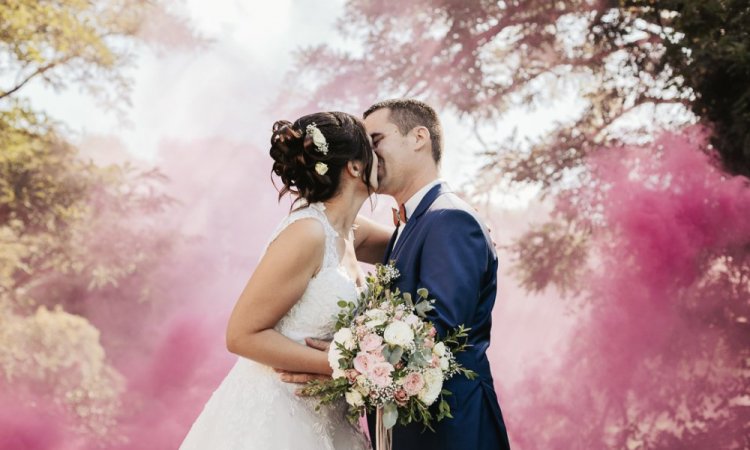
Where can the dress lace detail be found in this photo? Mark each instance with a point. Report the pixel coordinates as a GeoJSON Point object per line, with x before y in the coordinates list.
{"type": "Point", "coordinates": [252, 408]}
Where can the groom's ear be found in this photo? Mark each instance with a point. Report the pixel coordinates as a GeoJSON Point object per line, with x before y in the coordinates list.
{"type": "Point", "coordinates": [421, 137]}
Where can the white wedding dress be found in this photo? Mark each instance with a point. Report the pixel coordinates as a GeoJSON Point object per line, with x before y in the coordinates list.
{"type": "Point", "coordinates": [253, 408]}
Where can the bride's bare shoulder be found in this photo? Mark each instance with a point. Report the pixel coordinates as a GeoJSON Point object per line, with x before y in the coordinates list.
{"type": "Point", "coordinates": [304, 235]}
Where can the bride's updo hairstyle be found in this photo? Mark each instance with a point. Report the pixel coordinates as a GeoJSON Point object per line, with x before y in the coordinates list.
{"type": "Point", "coordinates": [310, 165]}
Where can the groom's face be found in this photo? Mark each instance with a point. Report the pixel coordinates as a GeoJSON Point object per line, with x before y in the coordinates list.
{"type": "Point", "coordinates": [392, 149]}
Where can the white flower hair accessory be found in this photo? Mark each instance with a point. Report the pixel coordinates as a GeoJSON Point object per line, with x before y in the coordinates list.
{"type": "Point", "coordinates": [321, 168]}
{"type": "Point", "coordinates": [318, 138]}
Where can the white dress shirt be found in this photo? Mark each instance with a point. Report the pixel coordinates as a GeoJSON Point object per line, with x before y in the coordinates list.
{"type": "Point", "coordinates": [412, 203]}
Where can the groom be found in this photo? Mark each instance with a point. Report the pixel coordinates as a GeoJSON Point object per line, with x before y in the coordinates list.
{"type": "Point", "coordinates": [439, 244]}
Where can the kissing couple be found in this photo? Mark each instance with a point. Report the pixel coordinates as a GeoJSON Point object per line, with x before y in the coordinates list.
{"type": "Point", "coordinates": [283, 321]}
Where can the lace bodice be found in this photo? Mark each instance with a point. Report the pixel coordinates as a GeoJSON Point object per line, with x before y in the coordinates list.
{"type": "Point", "coordinates": [313, 315]}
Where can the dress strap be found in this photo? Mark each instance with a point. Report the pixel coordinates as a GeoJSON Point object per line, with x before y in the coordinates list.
{"type": "Point", "coordinates": [312, 211]}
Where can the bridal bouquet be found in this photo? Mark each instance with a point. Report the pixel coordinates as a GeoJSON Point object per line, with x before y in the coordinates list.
{"type": "Point", "coordinates": [386, 357]}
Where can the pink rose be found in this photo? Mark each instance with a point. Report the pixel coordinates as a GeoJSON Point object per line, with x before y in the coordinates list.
{"type": "Point", "coordinates": [429, 342]}
{"type": "Point", "coordinates": [435, 361]}
{"type": "Point", "coordinates": [363, 362]}
{"type": "Point", "coordinates": [370, 342]}
{"type": "Point", "coordinates": [413, 383]}
{"type": "Point", "coordinates": [432, 332]}
{"type": "Point", "coordinates": [380, 374]}
{"type": "Point", "coordinates": [377, 354]}
{"type": "Point", "coordinates": [398, 315]}
{"type": "Point", "coordinates": [351, 375]}
{"type": "Point", "coordinates": [401, 397]}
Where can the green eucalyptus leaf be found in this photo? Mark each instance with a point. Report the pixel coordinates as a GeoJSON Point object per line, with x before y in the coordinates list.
{"type": "Point", "coordinates": [394, 355]}
{"type": "Point", "coordinates": [390, 415]}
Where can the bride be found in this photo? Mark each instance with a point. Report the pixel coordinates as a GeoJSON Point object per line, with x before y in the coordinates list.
{"type": "Point", "coordinates": [326, 160]}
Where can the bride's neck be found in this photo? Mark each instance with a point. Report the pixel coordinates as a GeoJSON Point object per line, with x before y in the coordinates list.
{"type": "Point", "coordinates": [342, 211]}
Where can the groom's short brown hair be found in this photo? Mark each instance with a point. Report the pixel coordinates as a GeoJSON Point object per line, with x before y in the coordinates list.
{"type": "Point", "coordinates": [407, 113]}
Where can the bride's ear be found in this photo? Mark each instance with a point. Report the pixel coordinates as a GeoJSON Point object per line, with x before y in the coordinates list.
{"type": "Point", "coordinates": [354, 168]}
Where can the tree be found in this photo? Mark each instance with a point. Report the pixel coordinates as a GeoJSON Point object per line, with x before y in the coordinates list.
{"type": "Point", "coordinates": [70, 229]}
{"type": "Point", "coordinates": [87, 44]}
{"type": "Point", "coordinates": [707, 45]}
{"type": "Point", "coordinates": [634, 69]}
{"type": "Point", "coordinates": [483, 60]}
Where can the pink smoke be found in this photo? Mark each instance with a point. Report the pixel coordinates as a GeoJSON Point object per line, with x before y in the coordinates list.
{"type": "Point", "coordinates": [652, 345]}
{"type": "Point", "coordinates": [227, 202]}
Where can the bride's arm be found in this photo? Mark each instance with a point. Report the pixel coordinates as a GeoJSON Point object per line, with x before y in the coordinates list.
{"type": "Point", "coordinates": [276, 285]}
{"type": "Point", "coordinates": [371, 240]}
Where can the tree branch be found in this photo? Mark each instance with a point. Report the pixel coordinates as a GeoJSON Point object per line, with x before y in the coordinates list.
{"type": "Point", "coordinates": [36, 73]}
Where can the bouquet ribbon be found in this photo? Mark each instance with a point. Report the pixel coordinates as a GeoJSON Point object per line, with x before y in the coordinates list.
{"type": "Point", "coordinates": [383, 435]}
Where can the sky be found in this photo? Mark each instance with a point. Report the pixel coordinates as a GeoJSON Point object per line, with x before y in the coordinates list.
{"type": "Point", "coordinates": [221, 89]}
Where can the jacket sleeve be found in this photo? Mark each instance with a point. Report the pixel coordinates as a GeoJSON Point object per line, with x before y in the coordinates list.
{"type": "Point", "coordinates": [452, 268]}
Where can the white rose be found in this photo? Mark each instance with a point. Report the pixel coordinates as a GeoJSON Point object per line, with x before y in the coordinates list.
{"type": "Point", "coordinates": [444, 363]}
{"type": "Point", "coordinates": [318, 138]}
{"type": "Point", "coordinates": [377, 317]}
{"type": "Point", "coordinates": [334, 354]}
{"type": "Point", "coordinates": [398, 333]}
{"type": "Point", "coordinates": [413, 320]}
{"type": "Point", "coordinates": [433, 384]}
{"type": "Point", "coordinates": [360, 379]}
{"type": "Point", "coordinates": [360, 385]}
{"type": "Point", "coordinates": [338, 373]}
{"type": "Point", "coordinates": [345, 337]}
{"type": "Point", "coordinates": [439, 349]}
{"type": "Point", "coordinates": [376, 314]}
{"type": "Point", "coordinates": [321, 168]}
{"type": "Point", "coordinates": [354, 398]}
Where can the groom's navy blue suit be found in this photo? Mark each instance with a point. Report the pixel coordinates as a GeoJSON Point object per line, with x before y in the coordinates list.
{"type": "Point", "coordinates": [445, 248]}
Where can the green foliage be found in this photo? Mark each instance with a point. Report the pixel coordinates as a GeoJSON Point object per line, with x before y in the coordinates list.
{"type": "Point", "coordinates": [80, 382]}
{"type": "Point", "coordinates": [78, 42]}
{"type": "Point", "coordinates": [707, 46]}
{"type": "Point", "coordinates": [56, 211]}
{"type": "Point", "coordinates": [326, 391]}
{"type": "Point", "coordinates": [56, 208]}
{"type": "Point", "coordinates": [70, 229]}
{"type": "Point", "coordinates": [457, 339]}
{"type": "Point", "coordinates": [551, 254]}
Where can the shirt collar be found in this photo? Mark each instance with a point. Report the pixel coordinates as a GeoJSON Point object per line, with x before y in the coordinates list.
{"type": "Point", "coordinates": [413, 202]}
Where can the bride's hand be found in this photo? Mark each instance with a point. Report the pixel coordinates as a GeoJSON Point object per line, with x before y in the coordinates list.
{"type": "Point", "coordinates": [298, 377]}
{"type": "Point", "coordinates": [318, 344]}
{"type": "Point", "coordinates": [303, 378]}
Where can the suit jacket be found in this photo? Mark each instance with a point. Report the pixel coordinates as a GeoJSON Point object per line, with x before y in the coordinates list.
{"type": "Point", "coordinates": [446, 249]}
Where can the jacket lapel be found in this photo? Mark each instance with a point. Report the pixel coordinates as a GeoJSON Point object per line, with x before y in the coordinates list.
{"type": "Point", "coordinates": [389, 249]}
{"type": "Point", "coordinates": [423, 206]}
